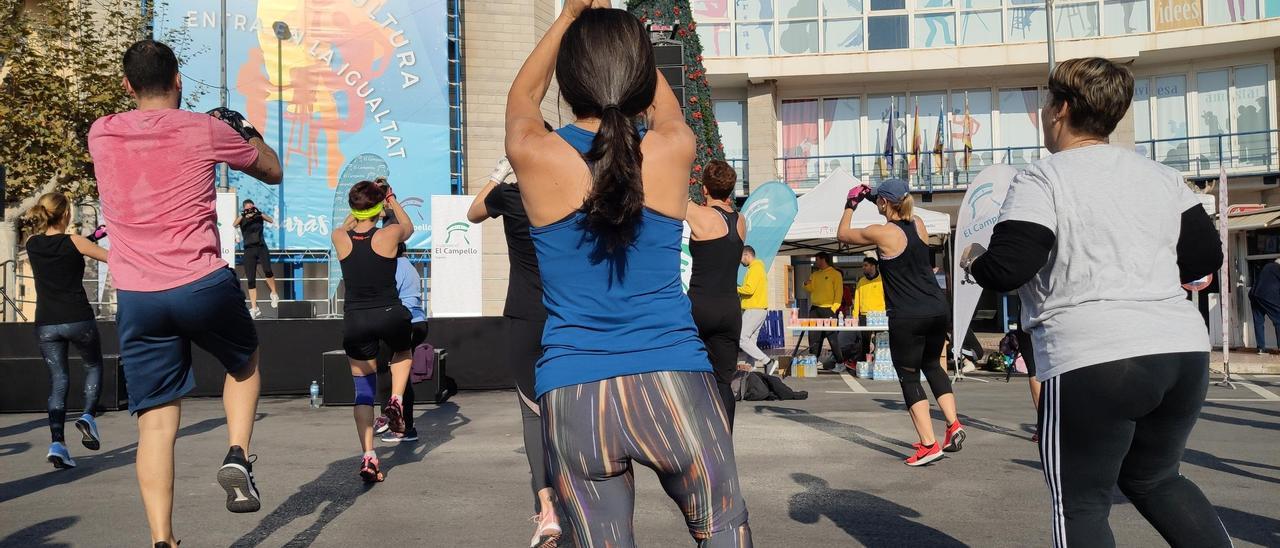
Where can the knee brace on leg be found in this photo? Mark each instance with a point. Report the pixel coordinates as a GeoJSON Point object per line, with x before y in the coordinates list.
{"type": "Point", "coordinates": [912, 392]}
{"type": "Point", "coordinates": [366, 388]}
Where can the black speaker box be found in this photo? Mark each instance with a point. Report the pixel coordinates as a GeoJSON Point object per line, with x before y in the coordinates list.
{"type": "Point", "coordinates": [292, 310]}
{"type": "Point", "coordinates": [337, 389]}
{"type": "Point", "coordinates": [32, 394]}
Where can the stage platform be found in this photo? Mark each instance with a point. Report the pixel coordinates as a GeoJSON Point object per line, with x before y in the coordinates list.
{"type": "Point", "coordinates": [290, 360]}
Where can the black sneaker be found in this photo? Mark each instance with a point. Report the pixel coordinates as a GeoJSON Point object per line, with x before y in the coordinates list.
{"type": "Point", "coordinates": [164, 544]}
{"type": "Point", "coordinates": [236, 478]}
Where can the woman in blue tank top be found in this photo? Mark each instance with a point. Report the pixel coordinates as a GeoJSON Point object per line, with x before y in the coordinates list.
{"type": "Point", "coordinates": [623, 377]}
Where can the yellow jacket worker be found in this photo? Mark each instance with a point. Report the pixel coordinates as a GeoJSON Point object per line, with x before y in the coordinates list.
{"type": "Point", "coordinates": [869, 296]}
{"type": "Point", "coordinates": [825, 287]}
{"type": "Point", "coordinates": [754, 293]}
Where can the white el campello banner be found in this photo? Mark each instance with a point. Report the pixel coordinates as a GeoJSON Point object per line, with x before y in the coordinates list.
{"type": "Point", "coordinates": [455, 258]}
{"type": "Point", "coordinates": [977, 217]}
{"type": "Point", "coordinates": [225, 207]}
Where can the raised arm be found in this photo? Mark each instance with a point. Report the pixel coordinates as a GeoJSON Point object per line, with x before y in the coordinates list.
{"type": "Point", "coordinates": [89, 249]}
{"type": "Point", "coordinates": [524, 100]}
{"type": "Point", "coordinates": [402, 219]}
{"type": "Point", "coordinates": [267, 167]}
{"type": "Point", "coordinates": [478, 211]}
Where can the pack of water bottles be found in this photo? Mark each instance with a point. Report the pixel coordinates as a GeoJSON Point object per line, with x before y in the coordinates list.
{"type": "Point", "coordinates": [882, 366]}
{"type": "Point", "coordinates": [804, 367]}
{"type": "Point", "coordinates": [878, 319]}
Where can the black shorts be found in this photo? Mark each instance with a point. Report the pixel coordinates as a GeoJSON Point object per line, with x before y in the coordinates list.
{"type": "Point", "coordinates": [363, 329]}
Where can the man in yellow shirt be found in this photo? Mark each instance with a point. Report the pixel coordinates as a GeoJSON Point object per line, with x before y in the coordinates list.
{"type": "Point", "coordinates": [754, 293]}
{"type": "Point", "coordinates": [869, 297]}
{"type": "Point", "coordinates": [825, 287]}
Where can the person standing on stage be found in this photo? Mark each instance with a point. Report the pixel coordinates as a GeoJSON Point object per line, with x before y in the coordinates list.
{"type": "Point", "coordinates": [606, 202]}
{"type": "Point", "coordinates": [155, 169]}
{"type": "Point", "coordinates": [826, 287]}
{"type": "Point", "coordinates": [754, 297]}
{"type": "Point", "coordinates": [917, 310]}
{"type": "Point", "coordinates": [525, 318]}
{"type": "Point", "coordinates": [372, 310]}
{"type": "Point", "coordinates": [868, 298]}
{"type": "Point", "coordinates": [64, 317]}
{"type": "Point", "coordinates": [250, 221]}
{"type": "Point", "coordinates": [716, 239]}
{"type": "Point", "coordinates": [1124, 357]}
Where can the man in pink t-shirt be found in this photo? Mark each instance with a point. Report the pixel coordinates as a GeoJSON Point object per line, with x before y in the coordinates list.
{"type": "Point", "coordinates": [155, 172]}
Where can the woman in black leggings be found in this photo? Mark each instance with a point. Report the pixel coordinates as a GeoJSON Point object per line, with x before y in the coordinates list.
{"type": "Point", "coordinates": [1123, 356]}
{"type": "Point", "coordinates": [525, 317]}
{"type": "Point", "coordinates": [917, 311]}
{"type": "Point", "coordinates": [64, 317]}
{"type": "Point", "coordinates": [717, 234]}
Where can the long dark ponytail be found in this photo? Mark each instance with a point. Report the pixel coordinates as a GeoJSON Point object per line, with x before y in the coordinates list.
{"type": "Point", "coordinates": [605, 70]}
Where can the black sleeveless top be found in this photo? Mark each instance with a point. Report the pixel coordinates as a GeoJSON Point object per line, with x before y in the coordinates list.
{"type": "Point", "coordinates": [910, 288]}
{"type": "Point", "coordinates": [370, 278]}
{"type": "Point", "coordinates": [251, 230]}
{"type": "Point", "coordinates": [59, 272]}
{"type": "Point", "coordinates": [715, 262]}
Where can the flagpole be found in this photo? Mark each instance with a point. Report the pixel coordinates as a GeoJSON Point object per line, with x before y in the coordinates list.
{"type": "Point", "coordinates": [1049, 23]}
{"type": "Point", "coordinates": [1224, 282]}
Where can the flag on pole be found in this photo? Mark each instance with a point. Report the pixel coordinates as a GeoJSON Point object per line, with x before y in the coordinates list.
{"type": "Point", "coordinates": [889, 137]}
{"type": "Point", "coordinates": [967, 131]}
{"type": "Point", "coordinates": [915, 139]}
{"type": "Point", "coordinates": [884, 169]}
{"type": "Point", "coordinates": [937, 144]}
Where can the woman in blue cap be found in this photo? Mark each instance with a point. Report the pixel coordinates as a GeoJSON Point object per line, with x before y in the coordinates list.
{"type": "Point", "coordinates": [917, 310]}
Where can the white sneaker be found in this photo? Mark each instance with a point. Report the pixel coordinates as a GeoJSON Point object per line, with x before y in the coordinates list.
{"type": "Point", "coordinates": [771, 366]}
{"type": "Point", "coordinates": [275, 300]}
{"type": "Point", "coordinates": [255, 313]}
{"type": "Point", "coordinates": [969, 367]}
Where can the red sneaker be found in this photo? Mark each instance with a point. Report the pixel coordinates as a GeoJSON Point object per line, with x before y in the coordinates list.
{"type": "Point", "coordinates": [925, 454]}
{"type": "Point", "coordinates": [395, 416]}
{"type": "Point", "coordinates": [955, 438]}
{"type": "Point", "coordinates": [369, 470]}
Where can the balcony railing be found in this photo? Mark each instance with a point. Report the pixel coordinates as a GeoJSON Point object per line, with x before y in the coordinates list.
{"type": "Point", "coordinates": [1242, 154]}
{"type": "Point", "coordinates": [741, 166]}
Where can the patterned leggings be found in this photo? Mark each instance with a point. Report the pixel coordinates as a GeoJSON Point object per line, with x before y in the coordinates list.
{"type": "Point", "coordinates": [671, 422]}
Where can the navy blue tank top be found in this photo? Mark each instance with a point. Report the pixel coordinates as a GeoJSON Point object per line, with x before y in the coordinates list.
{"type": "Point", "coordinates": [612, 314]}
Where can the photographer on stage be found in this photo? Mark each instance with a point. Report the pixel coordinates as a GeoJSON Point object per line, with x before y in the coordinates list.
{"type": "Point", "coordinates": [256, 252]}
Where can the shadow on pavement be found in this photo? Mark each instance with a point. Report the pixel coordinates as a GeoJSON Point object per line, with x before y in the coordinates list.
{"type": "Point", "coordinates": [1214, 462]}
{"type": "Point", "coordinates": [969, 422]}
{"type": "Point", "coordinates": [1259, 410]}
{"type": "Point", "coordinates": [23, 428]}
{"type": "Point", "coordinates": [91, 463]}
{"type": "Point", "coordinates": [339, 486]}
{"type": "Point", "coordinates": [38, 535]}
{"type": "Point", "coordinates": [847, 432]}
{"type": "Point", "coordinates": [1259, 530]}
{"type": "Point", "coordinates": [10, 449]}
{"type": "Point", "coordinates": [870, 520]}
{"type": "Point", "coordinates": [1265, 425]}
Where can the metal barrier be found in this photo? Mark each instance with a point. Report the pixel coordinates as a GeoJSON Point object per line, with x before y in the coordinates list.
{"type": "Point", "coordinates": [1242, 154]}
{"type": "Point", "coordinates": [104, 303]}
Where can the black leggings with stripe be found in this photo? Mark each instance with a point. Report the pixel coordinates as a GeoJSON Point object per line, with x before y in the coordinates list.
{"type": "Point", "coordinates": [671, 422]}
{"type": "Point", "coordinates": [1126, 423]}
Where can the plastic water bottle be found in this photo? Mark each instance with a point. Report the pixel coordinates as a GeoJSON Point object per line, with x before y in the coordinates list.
{"type": "Point", "coordinates": [840, 319]}
{"type": "Point", "coordinates": [316, 400]}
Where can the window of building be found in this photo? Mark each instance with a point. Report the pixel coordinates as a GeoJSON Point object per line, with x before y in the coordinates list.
{"type": "Point", "coordinates": [1213, 115]}
{"type": "Point", "coordinates": [716, 39]}
{"type": "Point", "coordinates": [841, 8]}
{"type": "Point", "coordinates": [980, 27]}
{"type": "Point", "coordinates": [795, 9]}
{"type": "Point", "coordinates": [755, 39]}
{"type": "Point", "coordinates": [841, 133]}
{"type": "Point", "coordinates": [1075, 20]}
{"type": "Point", "coordinates": [1026, 23]}
{"type": "Point", "coordinates": [800, 141]}
{"type": "Point", "coordinates": [979, 126]}
{"type": "Point", "coordinates": [1126, 16]}
{"type": "Point", "coordinates": [1020, 125]}
{"type": "Point", "coordinates": [887, 32]}
{"type": "Point", "coordinates": [731, 117]}
{"type": "Point", "coordinates": [1172, 148]}
{"type": "Point", "coordinates": [929, 105]}
{"type": "Point", "coordinates": [935, 29]}
{"type": "Point", "coordinates": [798, 37]}
{"type": "Point", "coordinates": [1252, 114]}
{"type": "Point", "coordinates": [1217, 12]}
{"type": "Point", "coordinates": [843, 35]}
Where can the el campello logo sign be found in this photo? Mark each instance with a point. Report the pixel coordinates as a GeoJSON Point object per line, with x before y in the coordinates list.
{"type": "Point", "coordinates": [459, 229]}
{"type": "Point", "coordinates": [983, 191]}
{"type": "Point", "coordinates": [981, 195]}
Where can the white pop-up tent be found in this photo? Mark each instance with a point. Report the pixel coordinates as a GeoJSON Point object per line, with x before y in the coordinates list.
{"type": "Point", "coordinates": [820, 210]}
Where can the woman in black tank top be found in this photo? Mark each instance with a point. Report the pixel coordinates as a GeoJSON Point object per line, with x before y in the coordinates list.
{"type": "Point", "coordinates": [717, 233]}
{"type": "Point", "coordinates": [64, 317]}
{"type": "Point", "coordinates": [372, 312]}
{"type": "Point", "coordinates": [917, 309]}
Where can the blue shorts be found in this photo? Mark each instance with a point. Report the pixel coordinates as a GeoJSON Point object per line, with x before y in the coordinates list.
{"type": "Point", "coordinates": [158, 327]}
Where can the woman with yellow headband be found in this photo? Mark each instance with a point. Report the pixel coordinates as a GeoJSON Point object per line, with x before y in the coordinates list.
{"type": "Point", "coordinates": [372, 309]}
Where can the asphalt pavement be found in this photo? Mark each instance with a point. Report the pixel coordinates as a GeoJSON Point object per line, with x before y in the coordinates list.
{"type": "Point", "coordinates": [822, 472]}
